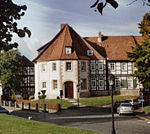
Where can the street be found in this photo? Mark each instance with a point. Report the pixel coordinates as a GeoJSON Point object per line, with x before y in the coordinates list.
{"type": "Point", "coordinates": [96, 119]}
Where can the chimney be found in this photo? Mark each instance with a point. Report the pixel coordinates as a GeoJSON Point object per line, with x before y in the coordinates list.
{"type": "Point", "coordinates": [63, 25]}
{"type": "Point", "coordinates": [99, 37]}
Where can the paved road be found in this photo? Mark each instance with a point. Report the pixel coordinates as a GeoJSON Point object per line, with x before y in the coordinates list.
{"type": "Point", "coordinates": [96, 119]}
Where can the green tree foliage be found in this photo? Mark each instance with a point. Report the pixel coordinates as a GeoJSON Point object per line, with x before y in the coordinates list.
{"type": "Point", "coordinates": [10, 71]}
{"type": "Point", "coordinates": [141, 53]}
{"type": "Point", "coordinates": [101, 4]}
{"type": "Point", "coordinates": [9, 14]}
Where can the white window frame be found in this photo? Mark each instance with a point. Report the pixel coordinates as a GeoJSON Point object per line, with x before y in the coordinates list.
{"type": "Point", "coordinates": [112, 66]}
{"type": "Point", "coordinates": [124, 66]}
{"type": "Point", "coordinates": [100, 66]}
{"type": "Point", "coordinates": [92, 67]}
{"type": "Point", "coordinates": [117, 83]}
{"type": "Point", "coordinates": [89, 52]}
{"type": "Point", "coordinates": [130, 83]}
{"type": "Point", "coordinates": [101, 81]}
{"type": "Point", "coordinates": [44, 84]}
{"type": "Point", "coordinates": [68, 50]}
{"type": "Point", "coordinates": [68, 67]}
{"type": "Point", "coordinates": [93, 81]}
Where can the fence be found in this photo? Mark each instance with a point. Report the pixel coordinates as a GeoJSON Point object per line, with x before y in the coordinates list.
{"type": "Point", "coordinates": [30, 105]}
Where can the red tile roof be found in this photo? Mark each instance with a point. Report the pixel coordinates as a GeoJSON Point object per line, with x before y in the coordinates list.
{"type": "Point", "coordinates": [113, 47]}
{"type": "Point", "coordinates": [116, 47]}
{"type": "Point", "coordinates": [55, 49]}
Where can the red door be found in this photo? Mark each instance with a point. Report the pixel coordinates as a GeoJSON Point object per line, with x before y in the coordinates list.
{"type": "Point", "coordinates": [69, 89]}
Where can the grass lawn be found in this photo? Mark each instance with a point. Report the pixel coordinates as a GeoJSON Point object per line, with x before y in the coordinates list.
{"type": "Point", "coordinates": [15, 125]}
{"type": "Point", "coordinates": [65, 103]}
{"type": "Point", "coordinates": [146, 109]}
{"type": "Point", "coordinates": [104, 100]}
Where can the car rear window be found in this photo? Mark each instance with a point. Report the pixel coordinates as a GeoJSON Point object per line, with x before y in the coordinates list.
{"type": "Point", "coordinates": [126, 105]}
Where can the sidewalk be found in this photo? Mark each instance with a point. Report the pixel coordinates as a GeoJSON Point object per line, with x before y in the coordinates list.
{"type": "Point", "coordinates": [76, 103]}
{"type": "Point", "coordinates": [141, 115]}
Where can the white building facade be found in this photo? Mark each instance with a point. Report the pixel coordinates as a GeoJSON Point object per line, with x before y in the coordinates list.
{"type": "Point", "coordinates": [79, 67]}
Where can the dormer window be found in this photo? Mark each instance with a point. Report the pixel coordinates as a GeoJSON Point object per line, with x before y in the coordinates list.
{"type": "Point", "coordinates": [68, 50]}
{"type": "Point", "coordinates": [89, 52]}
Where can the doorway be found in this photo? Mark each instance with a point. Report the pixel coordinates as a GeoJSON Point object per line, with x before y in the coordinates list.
{"type": "Point", "coordinates": [68, 89]}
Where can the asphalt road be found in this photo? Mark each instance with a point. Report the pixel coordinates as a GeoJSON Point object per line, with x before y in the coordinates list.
{"type": "Point", "coordinates": [96, 119]}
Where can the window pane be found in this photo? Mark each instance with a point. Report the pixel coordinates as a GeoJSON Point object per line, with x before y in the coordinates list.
{"type": "Point", "coordinates": [54, 84]}
{"type": "Point", "coordinates": [43, 84]}
{"type": "Point", "coordinates": [54, 67]}
{"type": "Point", "coordinates": [112, 66]}
{"type": "Point", "coordinates": [68, 50]}
{"type": "Point", "coordinates": [43, 67]}
{"type": "Point", "coordinates": [83, 66]}
{"type": "Point", "coordinates": [92, 66]}
{"type": "Point", "coordinates": [124, 83]}
{"type": "Point", "coordinates": [124, 66]}
{"type": "Point", "coordinates": [68, 66]}
{"type": "Point", "coordinates": [100, 66]}
{"type": "Point", "coordinates": [93, 83]}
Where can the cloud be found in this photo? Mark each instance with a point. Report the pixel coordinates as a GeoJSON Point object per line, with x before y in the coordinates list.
{"type": "Point", "coordinates": [43, 18]}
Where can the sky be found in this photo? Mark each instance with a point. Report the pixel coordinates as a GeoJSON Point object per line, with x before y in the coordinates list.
{"type": "Point", "coordinates": [43, 18]}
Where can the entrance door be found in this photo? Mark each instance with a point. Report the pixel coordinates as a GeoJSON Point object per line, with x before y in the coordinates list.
{"type": "Point", "coordinates": [69, 89]}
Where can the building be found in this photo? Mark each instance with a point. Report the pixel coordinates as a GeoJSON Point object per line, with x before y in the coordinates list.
{"type": "Point", "coordinates": [27, 88]}
{"type": "Point", "coordinates": [80, 66]}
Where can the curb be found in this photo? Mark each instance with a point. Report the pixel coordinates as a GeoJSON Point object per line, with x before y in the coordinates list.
{"type": "Point", "coordinates": [142, 118]}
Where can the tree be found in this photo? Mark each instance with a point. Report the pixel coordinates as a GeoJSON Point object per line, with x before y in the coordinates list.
{"type": "Point", "coordinates": [9, 14]}
{"type": "Point", "coordinates": [141, 53]}
{"type": "Point", "coordinates": [100, 5]}
{"type": "Point", "coordinates": [10, 72]}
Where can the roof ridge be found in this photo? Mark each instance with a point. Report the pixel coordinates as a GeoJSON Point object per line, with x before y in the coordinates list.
{"type": "Point", "coordinates": [63, 41]}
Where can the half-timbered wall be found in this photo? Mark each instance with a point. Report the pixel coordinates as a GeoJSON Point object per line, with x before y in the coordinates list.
{"type": "Point", "coordinates": [97, 75]}
{"type": "Point", "coordinates": [123, 72]}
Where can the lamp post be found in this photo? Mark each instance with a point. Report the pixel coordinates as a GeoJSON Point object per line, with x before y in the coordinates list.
{"type": "Point", "coordinates": [111, 80]}
{"type": "Point", "coordinates": [79, 85]}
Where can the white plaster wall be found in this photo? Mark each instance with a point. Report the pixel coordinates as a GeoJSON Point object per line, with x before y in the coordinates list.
{"type": "Point", "coordinates": [70, 75]}
{"type": "Point", "coordinates": [61, 75]}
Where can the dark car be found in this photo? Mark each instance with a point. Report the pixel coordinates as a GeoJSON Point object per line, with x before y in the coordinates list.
{"type": "Point", "coordinates": [3, 110]}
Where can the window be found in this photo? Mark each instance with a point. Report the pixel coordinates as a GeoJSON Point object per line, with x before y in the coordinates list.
{"type": "Point", "coordinates": [93, 83]}
{"type": "Point", "coordinates": [117, 83]}
{"type": "Point", "coordinates": [68, 50]}
{"type": "Point", "coordinates": [68, 66]}
{"type": "Point", "coordinates": [100, 66]}
{"type": "Point", "coordinates": [84, 84]}
{"type": "Point", "coordinates": [31, 70]}
{"type": "Point", "coordinates": [89, 52]}
{"type": "Point", "coordinates": [92, 66]}
{"type": "Point", "coordinates": [130, 83]}
{"type": "Point", "coordinates": [124, 83]}
{"type": "Point", "coordinates": [83, 66]}
{"type": "Point", "coordinates": [124, 66]}
{"type": "Point", "coordinates": [54, 84]}
{"type": "Point", "coordinates": [101, 83]}
{"type": "Point", "coordinates": [112, 66]}
{"type": "Point", "coordinates": [43, 84]}
{"type": "Point", "coordinates": [54, 66]}
{"type": "Point", "coordinates": [43, 67]}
